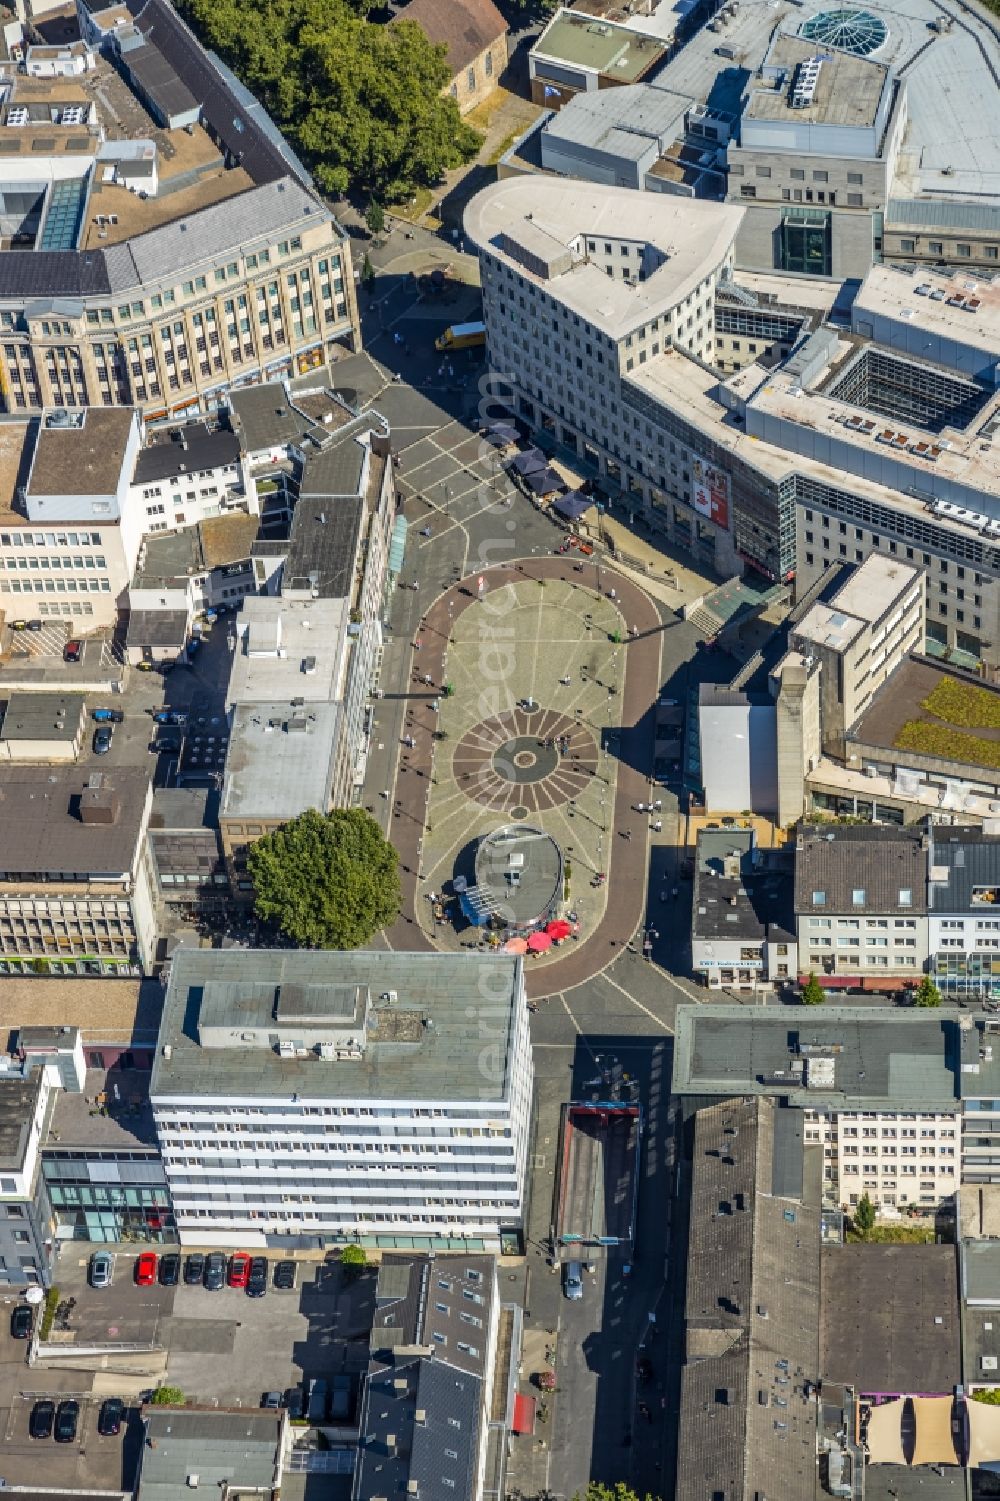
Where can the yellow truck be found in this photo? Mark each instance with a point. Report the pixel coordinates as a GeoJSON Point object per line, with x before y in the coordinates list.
{"type": "Point", "coordinates": [462, 336]}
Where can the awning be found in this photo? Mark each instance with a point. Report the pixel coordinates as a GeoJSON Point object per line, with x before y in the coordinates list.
{"type": "Point", "coordinates": [397, 544]}
{"type": "Point", "coordinates": [543, 481]}
{"type": "Point", "coordinates": [524, 1415]}
{"type": "Point", "coordinates": [500, 434]}
{"type": "Point", "coordinates": [572, 505]}
{"type": "Point", "coordinates": [528, 462]}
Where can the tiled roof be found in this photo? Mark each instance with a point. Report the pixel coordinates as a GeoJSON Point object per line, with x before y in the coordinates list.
{"type": "Point", "coordinates": [466, 27]}
{"type": "Point", "coordinates": [887, 866]}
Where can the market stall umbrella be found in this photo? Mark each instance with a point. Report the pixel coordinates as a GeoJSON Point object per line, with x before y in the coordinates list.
{"type": "Point", "coordinates": [560, 928]}
{"type": "Point", "coordinates": [516, 946]}
{"type": "Point", "coordinates": [539, 942]}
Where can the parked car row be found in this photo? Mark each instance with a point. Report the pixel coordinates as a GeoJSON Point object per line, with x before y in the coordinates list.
{"type": "Point", "coordinates": [212, 1271]}
{"type": "Point", "coordinates": [61, 1423]}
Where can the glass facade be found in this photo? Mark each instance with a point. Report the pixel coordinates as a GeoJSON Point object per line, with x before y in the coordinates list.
{"type": "Point", "coordinates": [109, 1197]}
{"type": "Point", "coordinates": [806, 242]}
{"type": "Point", "coordinates": [958, 973]}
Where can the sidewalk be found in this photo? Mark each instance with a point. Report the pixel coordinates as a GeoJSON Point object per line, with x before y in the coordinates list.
{"type": "Point", "coordinates": [671, 577]}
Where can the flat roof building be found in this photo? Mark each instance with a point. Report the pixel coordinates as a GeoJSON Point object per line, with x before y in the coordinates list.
{"type": "Point", "coordinates": [578, 53]}
{"type": "Point", "coordinates": [334, 1053]}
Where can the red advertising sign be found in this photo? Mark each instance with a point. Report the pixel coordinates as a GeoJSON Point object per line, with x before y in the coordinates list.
{"type": "Point", "coordinates": [710, 492]}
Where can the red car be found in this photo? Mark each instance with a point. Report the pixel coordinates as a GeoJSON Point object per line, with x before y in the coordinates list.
{"type": "Point", "coordinates": [239, 1269]}
{"type": "Point", "coordinates": [145, 1269]}
{"type": "Point", "coordinates": [72, 651]}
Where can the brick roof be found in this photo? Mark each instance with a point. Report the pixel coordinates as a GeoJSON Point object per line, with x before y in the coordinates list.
{"type": "Point", "coordinates": [466, 27]}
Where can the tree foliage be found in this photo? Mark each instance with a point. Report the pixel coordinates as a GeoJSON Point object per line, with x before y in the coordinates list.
{"type": "Point", "coordinates": [328, 880]}
{"type": "Point", "coordinates": [362, 103]}
{"type": "Point", "coordinates": [864, 1217]}
{"type": "Point", "coordinates": [812, 991]}
{"type": "Point", "coordinates": [988, 1394]}
{"type": "Point", "coordinates": [926, 993]}
{"type": "Point", "coordinates": [168, 1396]}
{"type": "Point", "coordinates": [618, 1492]}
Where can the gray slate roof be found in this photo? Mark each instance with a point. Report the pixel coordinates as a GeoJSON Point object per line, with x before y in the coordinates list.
{"type": "Point", "coordinates": [163, 458]}
{"type": "Point", "coordinates": [752, 906]}
{"type": "Point", "coordinates": [240, 1448]}
{"type": "Point", "coordinates": [839, 859]}
{"type": "Point", "coordinates": [324, 541]}
{"type": "Point", "coordinates": [960, 859]}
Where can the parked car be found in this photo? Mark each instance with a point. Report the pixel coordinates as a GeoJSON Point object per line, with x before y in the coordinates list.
{"type": "Point", "coordinates": [146, 666]}
{"type": "Point", "coordinates": [644, 1370]}
{"type": "Point", "coordinates": [111, 1417]}
{"type": "Point", "coordinates": [257, 1278]}
{"type": "Point", "coordinates": [34, 625]}
{"type": "Point", "coordinates": [194, 1269]}
{"type": "Point", "coordinates": [67, 1419]}
{"type": "Point", "coordinates": [101, 1270]}
{"type": "Point", "coordinates": [272, 1400]}
{"type": "Point", "coordinates": [573, 1280]}
{"type": "Point", "coordinates": [170, 716]}
{"type": "Point", "coordinates": [295, 1403]}
{"type": "Point", "coordinates": [170, 1269]}
{"type": "Point", "coordinates": [72, 651]}
{"type": "Point", "coordinates": [317, 1403]}
{"type": "Point", "coordinates": [215, 1271]}
{"type": "Point", "coordinates": [145, 1269]}
{"type": "Point", "coordinates": [108, 716]}
{"type": "Point", "coordinates": [21, 1321]}
{"type": "Point", "coordinates": [102, 739]}
{"type": "Point", "coordinates": [42, 1417]}
{"type": "Point", "coordinates": [284, 1276]}
{"type": "Point", "coordinates": [166, 742]}
{"type": "Point", "coordinates": [239, 1269]}
{"type": "Point", "coordinates": [19, 625]}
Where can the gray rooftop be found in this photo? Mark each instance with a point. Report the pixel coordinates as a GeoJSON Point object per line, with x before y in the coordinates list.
{"type": "Point", "coordinates": [265, 417]}
{"type": "Point", "coordinates": [183, 450]}
{"type": "Point", "coordinates": [847, 92]}
{"type": "Point", "coordinates": [980, 1077]}
{"type": "Point", "coordinates": [841, 868]}
{"type": "Point", "coordinates": [882, 1057]}
{"type": "Point", "coordinates": [890, 1318]}
{"type": "Point", "coordinates": [42, 716]}
{"type": "Point", "coordinates": [740, 890]}
{"type": "Point", "coordinates": [324, 538]}
{"type": "Point", "coordinates": [281, 759]}
{"type": "Point", "coordinates": [43, 834]}
{"type": "Point", "coordinates": [964, 870]}
{"type": "Point", "coordinates": [432, 1030]}
{"type": "Point", "coordinates": [531, 855]}
{"type": "Point", "coordinates": [18, 1102]}
{"type": "Point", "coordinates": [123, 1122]}
{"type": "Point", "coordinates": [238, 1450]}
{"type": "Point", "coordinates": [289, 649]}
{"type": "Point", "coordinates": [751, 1315]}
{"type": "Point", "coordinates": [640, 111]}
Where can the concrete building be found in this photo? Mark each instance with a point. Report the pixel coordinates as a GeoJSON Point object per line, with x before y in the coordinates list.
{"type": "Point", "coordinates": [742, 922]}
{"type": "Point", "coordinates": [382, 1098]}
{"type": "Point", "coordinates": [475, 35]}
{"type": "Point", "coordinates": [68, 534]}
{"type": "Point", "coordinates": [963, 911]}
{"type": "Point", "coordinates": [75, 896]}
{"type": "Point", "coordinates": [243, 1453]}
{"type": "Point", "coordinates": [880, 1090]}
{"type": "Point", "coordinates": [43, 1062]}
{"type": "Point", "coordinates": [179, 575]}
{"type": "Point", "coordinates": [43, 727]}
{"type": "Point", "coordinates": [751, 1311]}
{"type": "Point", "coordinates": [577, 53]}
{"type": "Point", "coordinates": [980, 1084]}
{"type": "Point", "coordinates": [861, 905]}
{"type": "Point", "coordinates": [158, 262]}
{"type": "Point", "coordinates": [813, 158]}
{"type": "Point", "coordinates": [427, 1404]}
{"type": "Point", "coordinates": [555, 267]}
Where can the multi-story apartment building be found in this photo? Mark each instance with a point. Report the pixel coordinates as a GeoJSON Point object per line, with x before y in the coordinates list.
{"type": "Point", "coordinates": [188, 474]}
{"type": "Point", "coordinates": [861, 905]}
{"type": "Point", "coordinates": [306, 1099]}
{"type": "Point", "coordinates": [963, 911]}
{"type": "Point", "coordinates": [879, 1090]}
{"type": "Point", "coordinates": [75, 893]}
{"type": "Point", "coordinates": [159, 270]}
{"type": "Point", "coordinates": [742, 927]}
{"type": "Point", "coordinates": [980, 1081]}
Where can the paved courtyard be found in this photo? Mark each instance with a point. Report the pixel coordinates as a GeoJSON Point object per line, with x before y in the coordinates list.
{"type": "Point", "coordinates": [536, 677]}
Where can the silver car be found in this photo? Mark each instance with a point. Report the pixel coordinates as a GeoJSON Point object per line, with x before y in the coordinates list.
{"type": "Point", "coordinates": [102, 1267]}
{"type": "Point", "coordinates": [573, 1280]}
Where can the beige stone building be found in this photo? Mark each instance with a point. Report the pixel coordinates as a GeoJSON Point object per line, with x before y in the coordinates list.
{"type": "Point", "coordinates": [475, 34]}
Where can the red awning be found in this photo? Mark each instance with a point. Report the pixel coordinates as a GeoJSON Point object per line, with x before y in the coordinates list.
{"type": "Point", "coordinates": [524, 1414]}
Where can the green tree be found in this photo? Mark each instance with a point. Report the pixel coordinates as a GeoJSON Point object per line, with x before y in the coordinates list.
{"type": "Point", "coordinates": [375, 217]}
{"type": "Point", "coordinates": [618, 1492]}
{"type": "Point", "coordinates": [354, 1261]}
{"type": "Point", "coordinates": [168, 1396]}
{"type": "Point", "coordinates": [367, 273]}
{"type": "Point", "coordinates": [329, 881]}
{"type": "Point", "coordinates": [988, 1394]}
{"type": "Point", "coordinates": [926, 993]}
{"type": "Point", "coordinates": [812, 991]}
{"type": "Point", "coordinates": [864, 1217]}
{"type": "Point", "coordinates": [366, 105]}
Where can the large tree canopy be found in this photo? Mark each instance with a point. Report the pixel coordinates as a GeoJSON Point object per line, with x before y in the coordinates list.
{"type": "Point", "coordinates": [328, 880]}
{"type": "Point", "coordinates": [362, 103]}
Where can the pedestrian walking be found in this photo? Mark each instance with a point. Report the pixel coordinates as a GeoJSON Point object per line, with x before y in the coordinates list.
{"type": "Point", "coordinates": [657, 825]}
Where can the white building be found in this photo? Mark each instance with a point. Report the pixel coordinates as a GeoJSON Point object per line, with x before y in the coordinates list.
{"type": "Point", "coordinates": [313, 1098]}
{"type": "Point", "coordinates": [584, 284]}
{"type": "Point", "coordinates": [899, 1158]}
{"type": "Point", "coordinates": [742, 925]}
{"type": "Point", "coordinates": [188, 474]}
{"type": "Point", "coordinates": [963, 910]}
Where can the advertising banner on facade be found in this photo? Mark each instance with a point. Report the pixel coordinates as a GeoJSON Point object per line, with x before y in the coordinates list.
{"type": "Point", "coordinates": [710, 491]}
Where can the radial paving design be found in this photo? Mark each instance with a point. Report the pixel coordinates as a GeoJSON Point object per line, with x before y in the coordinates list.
{"type": "Point", "coordinates": [508, 761]}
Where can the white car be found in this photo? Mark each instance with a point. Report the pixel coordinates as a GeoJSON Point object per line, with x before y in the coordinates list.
{"type": "Point", "coordinates": [102, 1268]}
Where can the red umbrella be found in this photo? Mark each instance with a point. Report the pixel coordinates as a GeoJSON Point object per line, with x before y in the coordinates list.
{"type": "Point", "coordinates": [516, 946]}
{"type": "Point", "coordinates": [539, 942]}
{"type": "Point", "coordinates": [559, 928]}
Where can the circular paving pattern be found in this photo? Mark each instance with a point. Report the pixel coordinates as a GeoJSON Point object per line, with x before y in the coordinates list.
{"type": "Point", "coordinates": [509, 764]}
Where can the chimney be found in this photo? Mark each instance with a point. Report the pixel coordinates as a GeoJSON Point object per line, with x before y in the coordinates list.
{"type": "Point", "coordinates": [100, 806]}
